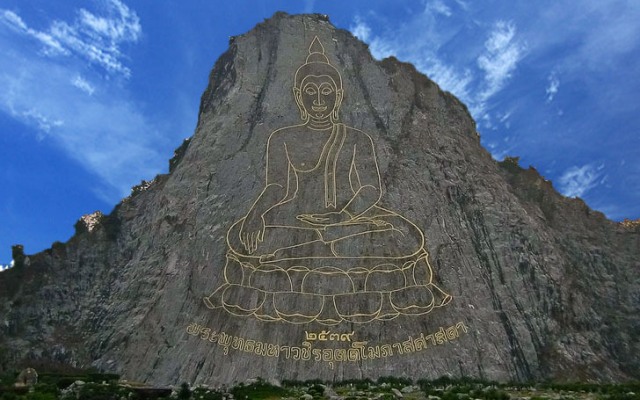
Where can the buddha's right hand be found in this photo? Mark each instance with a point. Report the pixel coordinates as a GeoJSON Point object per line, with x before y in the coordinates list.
{"type": "Point", "coordinates": [252, 233]}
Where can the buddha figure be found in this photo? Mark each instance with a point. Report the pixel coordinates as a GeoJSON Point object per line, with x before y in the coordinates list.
{"type": "Point", "coordinates": [316, 245]}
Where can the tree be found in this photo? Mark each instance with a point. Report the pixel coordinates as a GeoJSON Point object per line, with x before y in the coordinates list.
{"type": "Point", "coordinates": [184, 393]}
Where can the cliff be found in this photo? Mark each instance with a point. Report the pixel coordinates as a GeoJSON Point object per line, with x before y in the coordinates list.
{"type": "Point", "coordinates": [540, 286]}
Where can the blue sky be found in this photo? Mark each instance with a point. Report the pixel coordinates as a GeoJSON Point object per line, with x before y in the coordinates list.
{"type": "Point", "coordinates": [95, 95]}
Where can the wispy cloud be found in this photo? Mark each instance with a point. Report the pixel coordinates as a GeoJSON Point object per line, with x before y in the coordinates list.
{"type": "Point", "coordinates": [43, 122]}
{"type": "Point", "coordinates": [50, 86]}
{"type": "Point", "coordinates": [577, 181]}
{"type": "Point", "coordinates": [83, 85]}
{"type": "Point", "coordinates": [503, 52]}
{"type": "Point", "coordinates": [477, 79]}
{"type": "Point", "coordinates": [96, 38]}
{"type": "Point", "coordinates": [423, 56]}
{"type": "Point", "coordinates": [50, 43]}
{"type": "Point", "coordinates": [380, 47]}
{"type": "Point", "coordinates": [602, 31]}
{"type": "Point", "coordinates": [361, 30]}
{"type": "Point", "coordinates": [477, 53]}
{"type": "Point", "coordinates": [439, 7]}
{"type": "Point", "coordinates": [552, 87]}
{"type": "Point", "coordinates": [449, 77]}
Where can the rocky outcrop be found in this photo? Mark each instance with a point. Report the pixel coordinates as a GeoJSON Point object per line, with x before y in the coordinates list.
{"type": "Point", "coordinates": [542, 287]}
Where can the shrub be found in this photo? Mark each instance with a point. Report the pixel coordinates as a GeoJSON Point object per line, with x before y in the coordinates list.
{"type": "Point", "coordinates": [8, 396]}
{"type": "Point", "coordinates": [207, 394]}
{"type": "Point", "coordinates": [394, 381]}
{"type": "Point", "coordinates": [316, 390]}
{"type": "Point", "coordinates": [184, 393]}
{"type": "Point", "coordinates": [258, 390]}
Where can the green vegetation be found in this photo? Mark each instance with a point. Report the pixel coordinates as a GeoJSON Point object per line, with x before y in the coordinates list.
{"type": "Point", "coordinates": [260, 390]}
{"type": "Point", "coordinates": [91, 385]}
{"type": "Point", "coordinates": [394, 381]}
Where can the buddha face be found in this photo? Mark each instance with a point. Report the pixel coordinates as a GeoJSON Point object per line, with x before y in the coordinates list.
{"type": "Point", "coordinates": [318, 97]}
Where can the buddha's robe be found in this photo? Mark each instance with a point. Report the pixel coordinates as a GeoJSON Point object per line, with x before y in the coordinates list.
{"type": "Point", "coordinates": [346, 177]}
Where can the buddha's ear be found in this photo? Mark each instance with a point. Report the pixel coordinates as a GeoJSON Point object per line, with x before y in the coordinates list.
{"type": "Point", "coordinates": [336, 107]}
{"type": "Point", "coordinates": [339, 94]}
{"type": "Point", "coordinates": [297, 94]}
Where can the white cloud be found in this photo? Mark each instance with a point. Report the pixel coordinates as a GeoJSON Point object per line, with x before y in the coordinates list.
{"type": "Point", "coordinates": [378, 46]}
{"type": "Point", "coordinates": [105, 132]}
{"type": "Point", "coordinates": [552, 88]}
{"type": "Point", "coordinates": [51, 45]}
{"type": "Point", "coordinates": [504, 117]}
{"type": "Point", "coordinates": [499, 153]}
{"type": "Point", "coordinates": [477, 52]}
{"type": "Point", "coordinates": [474, 82]}
{"type": "Point", "coordinates": [120, 25]}
{"type": "Point", "coordinates": [96, 38]}
{"type": "Point", "coordinates": [576, 181]}
{"type": "Point", "coordinates": [421, 52]}
{"type": "Point", "coordinates": [381, 48]}
{"type": "Point", "coordinates": [43, 122]}
{"type": "Point", "coordinates": [439, 7]}
{"type": "Point", "coordinates": [4, 267]}
{"type": "Point", "coordinates": [603, 32]}
{"type": "Point", "coordinates": [463, 4]}
{"type": "Point", "coordinates": [360, 29]}
{"type": "Point", "coordinates": [448, 77]}
{"type": "Point", "coordinates": [503, 52]}
{"type": "Point", "coordinates": [12, 19]}
{"type": "Point", "coordinates": [83, 85]}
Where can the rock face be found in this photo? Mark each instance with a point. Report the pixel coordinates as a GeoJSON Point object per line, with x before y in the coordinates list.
{"type": "Point", "coordinates": [511, 282]}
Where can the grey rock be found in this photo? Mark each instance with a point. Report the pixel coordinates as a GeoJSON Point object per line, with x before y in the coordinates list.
{"type": "Point", "coordinates": [397, 393]}
{"type": "Point", "coordinates": [27, 377]}
{"type": "Point", "coordinates": [329, 392]}
{"type": "Point", "coordinates": [409, 389]}
{"type": "Point", "coordinates": [275, 382]}
{"type": "Point", "coordinates": [543, 287]}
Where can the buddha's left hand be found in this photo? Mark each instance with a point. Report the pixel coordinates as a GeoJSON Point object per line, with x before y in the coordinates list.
{"type": "Point", "coordinates": [325, 219]}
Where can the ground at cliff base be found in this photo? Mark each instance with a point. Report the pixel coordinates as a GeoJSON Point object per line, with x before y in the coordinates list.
{"type": "Point", "coordinates": [90, 386]}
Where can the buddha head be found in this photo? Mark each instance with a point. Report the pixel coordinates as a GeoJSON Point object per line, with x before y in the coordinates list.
{"type": "Point", "coordinates": [318, 87]}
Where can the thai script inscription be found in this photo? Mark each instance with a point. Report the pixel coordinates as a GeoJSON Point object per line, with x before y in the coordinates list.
{"type": "Point", "coordinates": [323, 336]}
{"type": "Point", "coordinates": [358, 351]}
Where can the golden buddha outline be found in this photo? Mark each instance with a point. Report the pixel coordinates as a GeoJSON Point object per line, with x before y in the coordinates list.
{"type": "Point", "coordinates": [315, 244]}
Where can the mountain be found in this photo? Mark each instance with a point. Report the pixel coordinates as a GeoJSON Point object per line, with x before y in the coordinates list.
{"type": "Point", "coordinates": [332, 217]}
